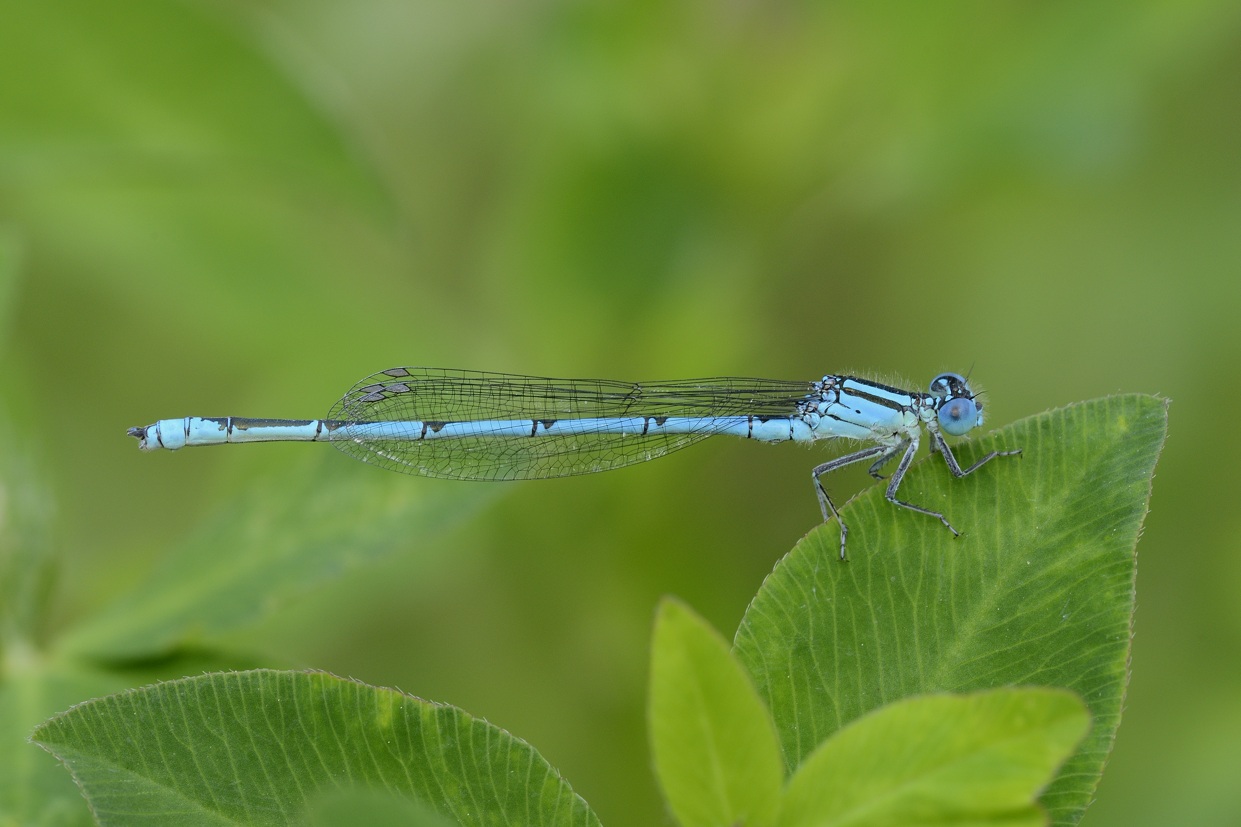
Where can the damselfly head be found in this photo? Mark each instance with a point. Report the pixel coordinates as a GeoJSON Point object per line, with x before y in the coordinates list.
{"type": "Point", "coordinates": [960, 412]}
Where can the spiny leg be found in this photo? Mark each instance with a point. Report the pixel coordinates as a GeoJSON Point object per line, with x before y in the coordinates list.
{"type": "Point", "coordinates": [884, 453]}
{"type": "Point", "coordinates": [911, 448]}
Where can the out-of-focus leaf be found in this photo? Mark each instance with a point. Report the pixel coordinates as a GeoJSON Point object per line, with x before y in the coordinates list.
{"type": "Point", "coordinates": [10, 264]}
{"type": "Point", "coordinates": [273, 541]}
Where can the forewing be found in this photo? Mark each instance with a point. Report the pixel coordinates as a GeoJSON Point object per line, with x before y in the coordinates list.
{"type": "Point", "coordinates": [438, 395]}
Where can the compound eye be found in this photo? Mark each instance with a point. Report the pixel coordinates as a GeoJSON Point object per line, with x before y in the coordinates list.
{"type": "Point", "coordinates": [949, 384]}
{"type": "Point", "coordinates": [958, 416]}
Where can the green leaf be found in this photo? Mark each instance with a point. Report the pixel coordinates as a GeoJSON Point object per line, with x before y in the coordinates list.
{"type": "Point", "coordinates": [1037, 590]}
{"type": "Point", "coordinates": [258, 747]}
{"type": "Point", "coordinates": [715, 750]}
{"type": "Point", "coordinates": [272, 542]}
{"type": "Point", "coordinates": [976, 759]}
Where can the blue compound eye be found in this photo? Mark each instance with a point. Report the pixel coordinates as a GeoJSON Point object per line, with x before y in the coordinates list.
{"type": "Point", "coordinates": [958, 416]}
{"type": "Point", "coordinates": [949, 384]}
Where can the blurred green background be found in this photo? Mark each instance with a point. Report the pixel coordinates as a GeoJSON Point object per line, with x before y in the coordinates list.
{"type": "Point", "coordinates": [242, 208]}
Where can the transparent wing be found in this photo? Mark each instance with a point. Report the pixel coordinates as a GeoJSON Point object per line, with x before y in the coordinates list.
{"type": "Point", "coordinates": [438, 395]}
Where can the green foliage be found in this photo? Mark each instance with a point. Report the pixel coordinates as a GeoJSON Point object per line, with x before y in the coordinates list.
{"type": "Point", "coordinates": [977, 759]}
{"type": "Point", "coordinates": [258, 747]}
{"type": "Point", "coordinates": [233, 207]}
{"type": "Point", "coordinates": [1038, 590]}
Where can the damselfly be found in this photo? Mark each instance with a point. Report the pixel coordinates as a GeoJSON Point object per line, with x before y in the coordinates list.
{"type": "Point", "coordinates": [492, 426]}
